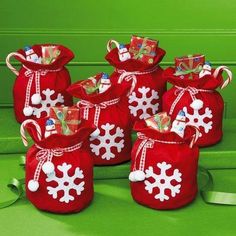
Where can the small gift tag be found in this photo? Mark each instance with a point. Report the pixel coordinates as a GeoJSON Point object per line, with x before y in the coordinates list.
{"type": "Point", "coordinates": [66, 119]}
{"type": "Point", "coordinates": [143, 49]}
{"type": "Point", "coordinates": [189, 65]}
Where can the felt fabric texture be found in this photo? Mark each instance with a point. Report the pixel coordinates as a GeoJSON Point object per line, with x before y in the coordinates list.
{"type": "Point", "coordinates": [221, 155]}
{"type": "Point", "coordinates": [113, 145]}
{"type": "Point", "coordinates": [80, 158]}
{"type": "Point", "coordinates": [211, 99]}
{"type": "Point", "coordinates": [180, 158]}
{"type": "Point", "coordinates": [148, 81]}
{"type": "Point", "coordinates": [53, 76]}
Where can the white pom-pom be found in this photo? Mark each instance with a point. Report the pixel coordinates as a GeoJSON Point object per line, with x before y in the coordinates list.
{"type": "Point", "coordinates": [33, 185]}
{"type": "Point", "coordinates": [36, 99]}
{"type": "Point", "coordinates": [95, 133]}
{"type": "Point", "coordinates": [139, 175]}
{"type": "Point", "coordinates": [132, 176]}
{"type": "Point", "coordinates": [197, 104]}
{"type": "Point", "coordinates": [48, 167]}
{"type": "Point", "coordinates": [28, 111]}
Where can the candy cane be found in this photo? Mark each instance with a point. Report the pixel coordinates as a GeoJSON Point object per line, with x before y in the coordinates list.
{"type": "Point", "coordinates": [195, 136]}
{"type": "Point", "coordinates": [22, 130]}
{"type": "Point", "coordinates": [109, 44]}
{"type": "Point", "coordinates": [9, 65]}
{"type": "Point", "coordinates": [229, 74]}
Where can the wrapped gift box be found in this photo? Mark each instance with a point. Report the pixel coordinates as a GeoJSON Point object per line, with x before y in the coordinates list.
{"type": "Point", "coordinates": [91, 85]}
{"type": "Point", "coordinates": [189, 66]}
{"type": "Point", "coordinates": [143, 49]}
{"type": "Point", "coordinates": [67, 119]}
{"type": "Point", "coordinates": [160, 122]}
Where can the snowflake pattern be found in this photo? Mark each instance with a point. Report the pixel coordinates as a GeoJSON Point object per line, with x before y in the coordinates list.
{"type": "Point", "coordinates": [48, 102]}
{"type": "Point", "coordinates": [163, 181]}
{"type": "Point", "coordinates": [66, 183]}
{"type": "Point", "coordinates": [145, 99]}
{"type": "Point", "coordinates": [108, 141]}
{"type": "Point", "coordinates": [197, 119]}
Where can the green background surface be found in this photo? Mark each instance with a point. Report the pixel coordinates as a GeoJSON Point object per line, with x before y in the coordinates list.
{"type": "Point", "coordinates": [182, 27]}
{"type": "Point", "coordinates": [113, 212]}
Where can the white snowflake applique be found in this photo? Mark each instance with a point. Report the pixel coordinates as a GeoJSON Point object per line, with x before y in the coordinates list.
{"type": "Point", "coordinates": [143, 100]}
{"type": "Point", "coordinates": [107, 140]}
{"type": "Point", "coordinates": [66, 183]}
{"type": "Point", "coordinates": [163, 182]}
{"type": "Point", "coordinates": [48, 102]}
{"type": "Point", "coordinates": [197, 119]}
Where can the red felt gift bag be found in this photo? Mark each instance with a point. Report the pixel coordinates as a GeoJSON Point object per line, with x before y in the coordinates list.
{"type": "Point", "coordinates": [39, 86]}
{"type": "Point", "coordinates": [198, 98]}
{"type": "Point", "coordinates": [147, 85]}
{"type": "Point", "coordinates": [109, 112]}
{"type": "Point", "coordinates": [59, 170]}
{"type": "Point", "coordinates": [164, 167]}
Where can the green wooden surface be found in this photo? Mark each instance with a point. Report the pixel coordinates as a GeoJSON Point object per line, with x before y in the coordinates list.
{"type": "Point", "coordinates": [85, 26]}
{"type": "Point", "coordinates": [113, 212]}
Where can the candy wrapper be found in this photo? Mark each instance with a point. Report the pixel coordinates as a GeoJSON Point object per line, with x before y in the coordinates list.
{"type": "Point", "coordinates": [160, 122]}
{"type": "Point", "coordinates": [66, 119]}
{"type": "Point", "coordinates": [189, 66]}
{"type": "Point", "coordinates": [91, 85]}
{"type": "Point", "coordinates": [143, 49]}
{"type": "Point", "coordinates": [49, 54]}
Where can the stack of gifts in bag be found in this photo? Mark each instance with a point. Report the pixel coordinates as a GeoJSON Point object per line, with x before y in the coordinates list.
{"type": "Point", "coordinates": [69, 139]}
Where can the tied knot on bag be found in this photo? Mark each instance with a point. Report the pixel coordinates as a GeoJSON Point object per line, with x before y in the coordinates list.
{"type": "Point", "coordinates": [86, 105]}
{"type": "Point", "coordinates": [45, 155]}
{"type": "Point", "coordinates": [131, 76]}
{"type": "Point", "coordinates": [180, 91]}
{"type": "Point", "coordinates": [149, 143]}
{"type": "Point", "coordinates": [144, 145]}
{"type": "Point", "coordinates": [38, 73]}
{"type": "Point", "coordinates": [34, 75]}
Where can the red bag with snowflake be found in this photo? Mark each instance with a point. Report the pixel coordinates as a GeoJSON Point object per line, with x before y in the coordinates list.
{"type": "Point", "coordinates": [198, 98]}
{"type": "Point", "coordinates": [39, 86]}
{"type": "Point", "coordinates": [59, 169]}
{"type": "Point", "coordinates": [147, 85]}
{"type": "Point", "coordinates": [109, 112]}
{"type": "Point", "coordinates": [164, 167]}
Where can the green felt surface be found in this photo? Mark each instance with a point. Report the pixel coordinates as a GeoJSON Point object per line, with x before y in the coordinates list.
{"type": "Point", "coordinates": [113, 212]}
{"type": "Point", "coordinates": [221, 155]}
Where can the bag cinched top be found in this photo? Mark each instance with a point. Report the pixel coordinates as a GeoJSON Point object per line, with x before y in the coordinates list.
{"type": "Point", "coordinates": [147, 85]}
{"type": "Point", "coordinates": [164, 167]}
{"type": "Point", "coordinates": [109, 112]}
{"type": "Point", "coordinates": [39, 86]}
{"type": "Point", "coordinates": [59, 169]}
{"type": "Point", "coordinates": [198, 98]}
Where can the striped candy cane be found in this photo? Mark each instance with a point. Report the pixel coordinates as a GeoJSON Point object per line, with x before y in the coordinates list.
{"type": "Point", "coordinates": [229, 74]}
{"type": "Point", "coordinates": [9, 65]}
{"type": "Point", "coordinates": [22, 130]}
{"type": "Point", "coordinates": [109, 44]}
{"type": "Point", "coordinates": [195, 136]}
